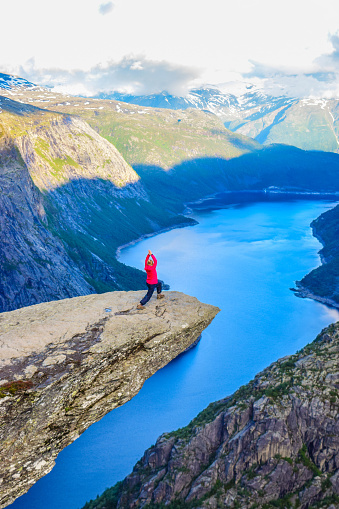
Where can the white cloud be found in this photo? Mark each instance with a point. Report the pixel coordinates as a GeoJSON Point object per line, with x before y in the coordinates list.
{"type": "Point", "coordinates": [138, 76]}
{"type": "Point", "coordinates": [106, 8]}
{"type": "Point", "coordinates": [302, 85]}
{"type": "Point", "coordinates": [329, 62]}
{"type": "Point", "coordinates": [220, 38]}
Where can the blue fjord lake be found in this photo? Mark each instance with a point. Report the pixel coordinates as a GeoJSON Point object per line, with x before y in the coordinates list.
{"type": "Point", "coordinates": [243, 258]}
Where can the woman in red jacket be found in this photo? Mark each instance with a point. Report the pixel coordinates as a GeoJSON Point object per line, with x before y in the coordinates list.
{"type": "Point", "coordinates": [152, 280]}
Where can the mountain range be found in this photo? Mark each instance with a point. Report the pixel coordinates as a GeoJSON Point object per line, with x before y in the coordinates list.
{"type": "Point", "coordinates": [309, 123]}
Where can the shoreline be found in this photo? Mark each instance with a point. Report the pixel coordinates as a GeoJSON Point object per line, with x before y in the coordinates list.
{"type": "Point", "coordinates": [302, 292]}
{"type": "Point", "coordinates": [217, 200]}
{"type": "Point", "coordinates": [188, 210]}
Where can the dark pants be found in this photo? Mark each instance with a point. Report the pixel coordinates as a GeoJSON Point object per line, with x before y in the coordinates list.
{"type": "Point", "coordinates": [150, 291]}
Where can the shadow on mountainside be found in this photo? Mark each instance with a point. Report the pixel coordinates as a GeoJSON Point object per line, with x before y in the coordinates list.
{"type": "Point", "coordinates": [19, 108]}
{"type": "Point", "coordinates": [276, 165]}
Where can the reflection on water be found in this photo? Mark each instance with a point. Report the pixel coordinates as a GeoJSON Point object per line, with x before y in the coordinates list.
{"type": "Point", "coordinates": [241, 259]}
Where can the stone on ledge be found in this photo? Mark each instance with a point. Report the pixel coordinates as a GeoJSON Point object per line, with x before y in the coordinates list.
{"type": "Point", "coordinates": [65, 364]}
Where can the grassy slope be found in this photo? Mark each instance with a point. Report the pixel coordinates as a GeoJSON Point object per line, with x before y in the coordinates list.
{"type": "Point", "coordinates": [304, 125]}
{"type": "Point", "coordinates": [154, 136]}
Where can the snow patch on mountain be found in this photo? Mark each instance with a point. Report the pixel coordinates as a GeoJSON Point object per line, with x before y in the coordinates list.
{"type": "Point", "coordinates": [312, 101]}
{"type": "Point", "coordinates": [8, 82]}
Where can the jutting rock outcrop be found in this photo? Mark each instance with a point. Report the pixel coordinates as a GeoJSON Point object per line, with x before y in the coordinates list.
{"type": "Point", "coordinates": [274, 443]}
{"type": "Point", "coordinates": [65, 364]}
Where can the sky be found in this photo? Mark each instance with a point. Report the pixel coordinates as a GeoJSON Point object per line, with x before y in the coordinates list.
{"type": "Point", "coordinates": [288, 47]}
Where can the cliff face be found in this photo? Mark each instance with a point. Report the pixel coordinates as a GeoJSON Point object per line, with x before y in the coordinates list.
{"type": "Point", "coordinates": [65, 149]}
{"type": "Point", "coordinates": [65, 364]}
{"type": "Point", "coordinates": [274, 443]}
{"type": "Point", "coordinates": [34, 265]}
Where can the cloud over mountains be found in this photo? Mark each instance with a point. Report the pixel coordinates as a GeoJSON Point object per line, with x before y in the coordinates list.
{"type": "Point", "coordinates": [135, 75]}
{"type": "Point", "coordinates": [149, 46]}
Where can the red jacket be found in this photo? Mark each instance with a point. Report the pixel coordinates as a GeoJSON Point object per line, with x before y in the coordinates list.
{"type": "Point", "coordinates": [152, 277]}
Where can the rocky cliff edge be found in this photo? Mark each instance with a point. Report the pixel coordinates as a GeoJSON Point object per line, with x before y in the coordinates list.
{"type": "Point", "coordinates": [273, 443]}
{"type": "Point", "coordinates": [65, 364]}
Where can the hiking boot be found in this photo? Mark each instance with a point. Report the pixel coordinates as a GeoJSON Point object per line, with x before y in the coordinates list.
{"type": "Point", "coordinates": [140, 306]}
{"type": "Point", "coordinates": [160, 296]}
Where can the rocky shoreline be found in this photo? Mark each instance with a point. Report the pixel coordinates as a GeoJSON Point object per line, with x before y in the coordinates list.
{"type": "Point", "coordinates": [305, 293]}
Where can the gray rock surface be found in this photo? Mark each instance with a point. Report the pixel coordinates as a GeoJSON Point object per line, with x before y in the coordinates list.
{"type": "Point", "coordinates": [274, 443]}
{"type": "Point", "coordinates": [65, 364]}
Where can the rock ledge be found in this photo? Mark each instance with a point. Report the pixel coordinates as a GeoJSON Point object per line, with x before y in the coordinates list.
{"type": "Point", "coordinates": [65, 364]}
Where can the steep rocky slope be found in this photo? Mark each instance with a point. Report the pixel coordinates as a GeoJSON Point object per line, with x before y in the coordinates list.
{"type": "Point", "coordinates": [64, 365]}
{"type": "Point", "coordinates": [58, 148]}
{"type": "Point", "coordinates": [34, 264]}
{"type": "Point", "coordinates": [273, 443]}
{"type": "Point", "coordinates": [323, 282]}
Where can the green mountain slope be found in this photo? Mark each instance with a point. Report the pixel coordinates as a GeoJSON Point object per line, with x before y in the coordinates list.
{"type": "Point", "coordinates": [156, 136]}
{"type": "Point", "coordinates": [307, 124]}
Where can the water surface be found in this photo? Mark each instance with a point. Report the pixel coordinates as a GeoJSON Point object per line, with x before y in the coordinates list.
{"type": "Point", "coordinates": [243, 258]}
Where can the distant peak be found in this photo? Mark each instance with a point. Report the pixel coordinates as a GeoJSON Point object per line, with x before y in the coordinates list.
{"type": "Point", "coordinates": [8, 81]}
